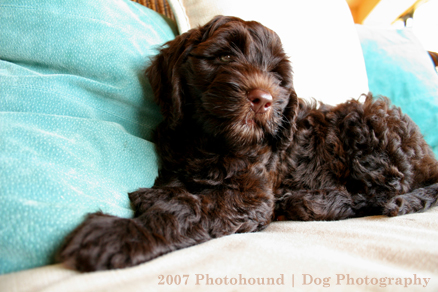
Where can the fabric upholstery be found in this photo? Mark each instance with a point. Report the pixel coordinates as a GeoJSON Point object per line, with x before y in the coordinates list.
{"type": "Point", "coordinates": [76, 115]}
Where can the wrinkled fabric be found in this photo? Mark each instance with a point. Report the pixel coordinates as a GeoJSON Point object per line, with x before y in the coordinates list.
{"type": "Point", "coordinates": [76, 117]}
{"type": "Point", "coordinates": [376, 253]}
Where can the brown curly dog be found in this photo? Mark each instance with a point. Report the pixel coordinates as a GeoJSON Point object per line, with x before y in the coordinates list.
{"type": "Point", "coordinates": [238, 149]}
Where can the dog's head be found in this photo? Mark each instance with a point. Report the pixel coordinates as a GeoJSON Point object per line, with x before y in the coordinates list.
{"type": "Point", "coordinates": [230, 76]}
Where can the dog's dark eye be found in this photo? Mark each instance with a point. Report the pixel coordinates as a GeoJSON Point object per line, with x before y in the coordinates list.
{"type": "Point", "coordinates": [226, 58]}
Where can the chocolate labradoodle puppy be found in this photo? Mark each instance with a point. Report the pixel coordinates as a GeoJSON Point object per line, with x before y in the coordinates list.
{"type": "Point", "coordinates": [239, 149]}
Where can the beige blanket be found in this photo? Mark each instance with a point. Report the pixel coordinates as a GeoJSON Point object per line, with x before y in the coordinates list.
{"type": "Point", "coordinates": [364, 254]}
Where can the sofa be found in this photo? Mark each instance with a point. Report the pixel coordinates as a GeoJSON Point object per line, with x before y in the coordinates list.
{"type": "Point", "coordinates": [76, 117]}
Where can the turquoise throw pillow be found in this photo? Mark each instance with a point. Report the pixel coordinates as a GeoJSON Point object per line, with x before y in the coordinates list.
{"type": "Point", "coordinates": [76, 116]}
{"type": "Point", "coordinates": [400, 68]}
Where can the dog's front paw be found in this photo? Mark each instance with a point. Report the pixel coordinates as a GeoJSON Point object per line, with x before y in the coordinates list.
{"type": "Point", "coordinates": [395, 206]}
{"type": "Point", "coordinates": [415, 201]}
{"type": "Point", "coordinates": [143, 199]}
{"type": "Point", "coordinates": [105, 242]}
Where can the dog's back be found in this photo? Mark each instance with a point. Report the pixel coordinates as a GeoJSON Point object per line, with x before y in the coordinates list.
{"type": "Point", "coordinates": [370, 154]}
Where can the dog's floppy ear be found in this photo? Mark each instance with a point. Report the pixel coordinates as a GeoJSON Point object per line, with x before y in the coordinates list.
{"type": "Point", "coordinates": [285, 135]}
{"type": "Point", "coordinates": [165, 76]}
{"type": "Point", "coordinates": [166, 71]}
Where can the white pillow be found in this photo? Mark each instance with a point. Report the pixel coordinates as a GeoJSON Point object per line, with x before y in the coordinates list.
{"type": "Point", "coordinates": [318, 35]}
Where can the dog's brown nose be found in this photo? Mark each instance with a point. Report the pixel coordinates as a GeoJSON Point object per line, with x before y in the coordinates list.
{"type": "Point", "coordinates": [260, 100]}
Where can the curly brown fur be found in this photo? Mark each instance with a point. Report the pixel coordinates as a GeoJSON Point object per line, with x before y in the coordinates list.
{"type": "Point", "coordinates": [238, 148]}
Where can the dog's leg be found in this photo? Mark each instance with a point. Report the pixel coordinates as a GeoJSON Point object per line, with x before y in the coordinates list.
{"type": "Point", "coordinates": [417, 200]}
{"type": "Point", "coordinates": [338, 204]}
{"type": "Point", "coordinates": [105, 242]}
{"type": "Point", "coordinates": [165, 220]}
{"type": "Point", "coordinates": [308, 205]}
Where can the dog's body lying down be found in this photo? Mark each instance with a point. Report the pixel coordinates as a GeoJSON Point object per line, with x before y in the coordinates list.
{"type": "Point", "coordinates": [239, 149]}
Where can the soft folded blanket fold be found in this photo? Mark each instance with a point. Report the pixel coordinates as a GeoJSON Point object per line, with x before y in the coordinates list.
{"type": "Point", "coordinates": [363, 254]}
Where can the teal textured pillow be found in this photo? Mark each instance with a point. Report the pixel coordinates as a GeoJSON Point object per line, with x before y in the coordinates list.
{"type": "Point", "coordinates": [76, 115]}
{"type": "Point", "coordinates": [400, 68]}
